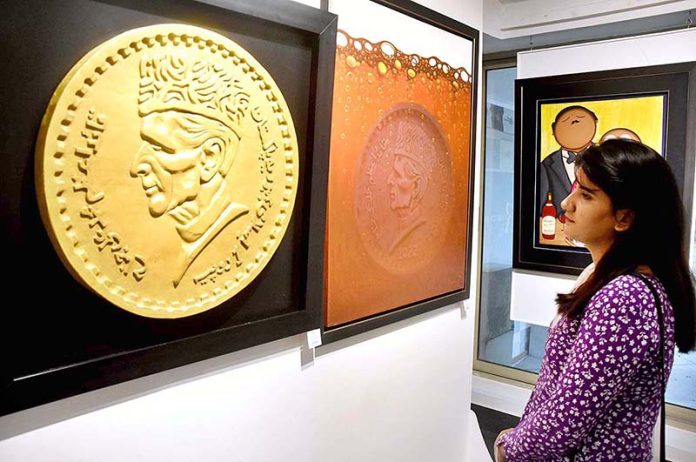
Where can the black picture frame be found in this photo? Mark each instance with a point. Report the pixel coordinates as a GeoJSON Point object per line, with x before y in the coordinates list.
{"type": "Point", "coordinates": [673, 81]}
{"type": "Point", "coordinates": [60, 339]}
{"type": "Point", "coordinates": [440, 21]}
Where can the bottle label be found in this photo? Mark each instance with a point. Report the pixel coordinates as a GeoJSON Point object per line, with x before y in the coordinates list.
{"type": "Point", "coordinates": [548, 226]}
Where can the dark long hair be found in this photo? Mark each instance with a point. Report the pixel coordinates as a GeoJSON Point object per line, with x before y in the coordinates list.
{"type": "Point", "coordinates": [635, 177]}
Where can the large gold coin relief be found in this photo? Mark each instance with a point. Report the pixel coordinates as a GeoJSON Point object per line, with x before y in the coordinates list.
{"type": "Point", "coordinates": [167, 168]}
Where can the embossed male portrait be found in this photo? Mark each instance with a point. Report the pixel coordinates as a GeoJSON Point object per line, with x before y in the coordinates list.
{"type": "Point", "coordinates": [192, 114]}
{"type": "Point", "coordinates": [167, 170]}
{"type": "Point", "coordinates": [403, 190]}
{"type": "Point", "coordinates": [408, 180]}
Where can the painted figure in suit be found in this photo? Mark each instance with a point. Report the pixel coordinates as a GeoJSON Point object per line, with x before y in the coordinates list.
{"type": "Point", "coordinates": [574, 129]}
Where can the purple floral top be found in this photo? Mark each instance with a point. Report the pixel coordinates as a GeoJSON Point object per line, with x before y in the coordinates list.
{"type": "Point", "coordinates": [598, 391]}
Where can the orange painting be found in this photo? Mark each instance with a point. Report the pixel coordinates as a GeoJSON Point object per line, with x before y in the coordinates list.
{"type": "Point", "coordinates": [398, 196]}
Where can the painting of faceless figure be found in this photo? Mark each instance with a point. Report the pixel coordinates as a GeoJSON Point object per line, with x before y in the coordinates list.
{"type": "Point", "coordinates": [558, 118]}
{"type": "Point", "coordinates": [568, 129]}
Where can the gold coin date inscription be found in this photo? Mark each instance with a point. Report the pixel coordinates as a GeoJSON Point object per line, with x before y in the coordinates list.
{"type": "Point", "coordinates": [166, 170]}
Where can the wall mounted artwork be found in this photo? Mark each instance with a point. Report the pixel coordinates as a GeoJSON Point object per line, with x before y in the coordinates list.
{"type": "Point", "coordinates": [399, 211]}
{"type": "Point", "coordinates": [164, 200]}
{"type": "Point", "coordinates": [559, 117]}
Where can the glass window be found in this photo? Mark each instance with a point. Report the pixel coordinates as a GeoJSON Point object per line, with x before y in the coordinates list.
{"type": "Point", "coordinates": [502, 341]}
{"type": "Point", "coordinates": [682, 380]}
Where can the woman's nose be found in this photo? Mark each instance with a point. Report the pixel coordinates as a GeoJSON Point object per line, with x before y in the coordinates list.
{"type": "Point", "coordinates": [565, 203]}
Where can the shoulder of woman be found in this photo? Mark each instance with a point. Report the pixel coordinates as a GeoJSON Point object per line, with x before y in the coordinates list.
{"type": "Point", "coordinates": [625, 295]}
{"type": "Point", "coordinates": [622, 314]}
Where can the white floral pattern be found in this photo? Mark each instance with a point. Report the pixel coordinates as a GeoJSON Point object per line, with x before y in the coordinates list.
{"type": "Point", "coordinates": [598, 391]}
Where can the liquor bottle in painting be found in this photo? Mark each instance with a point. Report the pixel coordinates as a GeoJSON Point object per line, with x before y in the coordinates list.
{"type": "Point", "coordinates": [548, 218]}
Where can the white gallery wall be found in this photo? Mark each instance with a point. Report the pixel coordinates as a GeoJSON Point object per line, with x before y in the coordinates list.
{"type": "Point", "coordinates": [400, 393]}
{"type": "Point", "coordinates": [648, 50]}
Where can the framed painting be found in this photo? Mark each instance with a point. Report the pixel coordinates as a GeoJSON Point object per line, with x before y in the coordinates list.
{"type": "Point", "coordinates": [399, 210]}
{"type": "Point", "coordinates": [165, 187]}
{"type": "Point", "coordinates": [559, 117]}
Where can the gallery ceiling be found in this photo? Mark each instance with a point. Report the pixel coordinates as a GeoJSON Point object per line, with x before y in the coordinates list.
{"type": "Point", "coordinates": [512, 25]}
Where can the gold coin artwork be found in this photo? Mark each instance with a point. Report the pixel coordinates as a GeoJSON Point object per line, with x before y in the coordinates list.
{"type": "Point", "coordinates": [166, 170]}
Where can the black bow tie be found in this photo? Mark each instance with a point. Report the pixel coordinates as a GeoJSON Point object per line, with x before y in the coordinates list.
{"type": "Point", "coordinates": [571, 157]}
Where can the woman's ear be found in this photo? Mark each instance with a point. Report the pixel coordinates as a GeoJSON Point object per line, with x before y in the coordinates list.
{"type": "Point", "coordinates": [623, 220]}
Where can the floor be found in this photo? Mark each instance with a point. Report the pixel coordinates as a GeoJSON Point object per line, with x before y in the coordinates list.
{"type": "Point", "coordinates": [492, 422]}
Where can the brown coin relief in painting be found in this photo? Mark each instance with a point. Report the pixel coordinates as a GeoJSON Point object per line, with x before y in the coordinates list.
{"type": "Point", "coordinates": [404, 189]}
{"type": "Point", "coordinates": [167, 169]}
